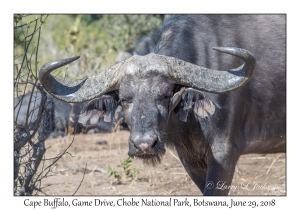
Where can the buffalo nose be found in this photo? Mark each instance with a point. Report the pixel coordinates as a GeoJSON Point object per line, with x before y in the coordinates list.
{"type": "Point", "coordinates": [144, 142]}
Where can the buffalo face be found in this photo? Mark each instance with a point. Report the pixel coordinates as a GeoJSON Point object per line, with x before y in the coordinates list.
{"type": "Point", "coordinates": [145, 99]}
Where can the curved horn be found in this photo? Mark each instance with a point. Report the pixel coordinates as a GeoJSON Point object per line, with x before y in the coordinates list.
{"type": "Point", "coordinates": [214, 81]}
{"type": "Point", "coordinates": [181, 72]}
{"type": "Point", "coordinates": [81, 90]}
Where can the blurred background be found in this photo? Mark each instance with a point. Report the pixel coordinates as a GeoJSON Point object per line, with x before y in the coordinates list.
{"type": "Point", "coordinates": [97, 38]}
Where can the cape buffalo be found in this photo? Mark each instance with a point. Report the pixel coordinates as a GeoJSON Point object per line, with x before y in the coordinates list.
{"type": "Point", "coordinates": [62, 116]}
{"type": "Point", "coordinates": [209, 116]}
{"type": "Point", "coordinates": [26, 108]}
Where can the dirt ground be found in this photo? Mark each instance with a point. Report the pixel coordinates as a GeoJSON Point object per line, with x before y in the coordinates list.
{"type": "Point", "coordinates": [93, 153]}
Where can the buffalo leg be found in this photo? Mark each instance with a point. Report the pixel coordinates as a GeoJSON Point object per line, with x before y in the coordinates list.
{"type": "Point", "coordinates": [220, 171]}
{"type": "Point", "coordinates": [197, 174]}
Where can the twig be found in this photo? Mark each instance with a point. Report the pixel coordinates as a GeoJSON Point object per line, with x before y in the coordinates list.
{"type": "Point", "coordinates": [40, 190]}
{"type": "Point", "coordinates": [174, 156]}
{"type": "Point", "coordinates": [36, 123]}
{"type": "Point", "coordinates": [20, 26]}
{"type": "Point", "coordinates": [37, 155]}
{"type": "Point", "coordinates": [62, 153]}
{"type": "Point", "coordinates": [273, 163]}
{"type": "Point", "coordinates": [81, 180]}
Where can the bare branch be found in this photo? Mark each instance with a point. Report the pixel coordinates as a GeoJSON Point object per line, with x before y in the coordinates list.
{"type": "Point", "coordinates": [34, 121]}
{"type": "Point", "coordinates": [37, 156]}
{"type": "Point", "coordinates": [81, 180]}
{"type": "Point", "coordinates": [25, 24]}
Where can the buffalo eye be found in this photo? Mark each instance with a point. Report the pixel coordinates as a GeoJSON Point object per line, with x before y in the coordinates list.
{"type": "Point", "coordinates": [125, 101]}
{"type": "Point", "coordinates": [162, 99]}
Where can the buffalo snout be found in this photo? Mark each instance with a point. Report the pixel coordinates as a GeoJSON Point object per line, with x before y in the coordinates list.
{"type": "Point", "coordinates": [147, 143]}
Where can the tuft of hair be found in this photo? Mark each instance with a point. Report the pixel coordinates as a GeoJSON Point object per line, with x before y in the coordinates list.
{"type": "Point", "coordinates": [101, 103]}
{"type": "Point", "coordinates": [151, 159]}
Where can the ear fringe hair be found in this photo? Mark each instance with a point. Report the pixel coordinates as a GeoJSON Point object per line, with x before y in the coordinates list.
{"type": "Point", "coordinates": [103, 106]}
{"type": "Point", "coordinates": [102, 103]}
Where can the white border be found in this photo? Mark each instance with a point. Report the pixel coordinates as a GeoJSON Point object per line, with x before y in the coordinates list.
{"type": "Point", "coordinates": [8, 201]}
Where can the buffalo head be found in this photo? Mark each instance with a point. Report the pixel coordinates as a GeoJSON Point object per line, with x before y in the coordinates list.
{"type": "Point", "coordinates": [144, 90]}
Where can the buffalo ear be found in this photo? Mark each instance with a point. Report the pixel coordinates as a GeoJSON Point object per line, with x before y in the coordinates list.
{"type": "Point", "coordinates": [204, 108]}
{"type": "Point", "coordinates": [90, 117]}
{"type": "Point", "coordinates": [194, 101]}
{"type": "Point", "coordinates": [103, 106]}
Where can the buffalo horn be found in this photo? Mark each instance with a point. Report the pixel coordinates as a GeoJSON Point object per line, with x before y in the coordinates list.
{"type": "Point", "coordinates": [214, 81]}
{"type": "Point", "coordinates": [81, 90]}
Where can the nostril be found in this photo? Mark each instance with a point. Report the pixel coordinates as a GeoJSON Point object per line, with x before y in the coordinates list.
{"type": "Point", "coordinates": [154, 143]}
{"type": "Point", "coordinates": [135, 146]}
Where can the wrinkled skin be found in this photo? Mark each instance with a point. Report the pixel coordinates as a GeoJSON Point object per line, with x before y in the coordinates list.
{"type": "Point", "coordinates": [146, 112]}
